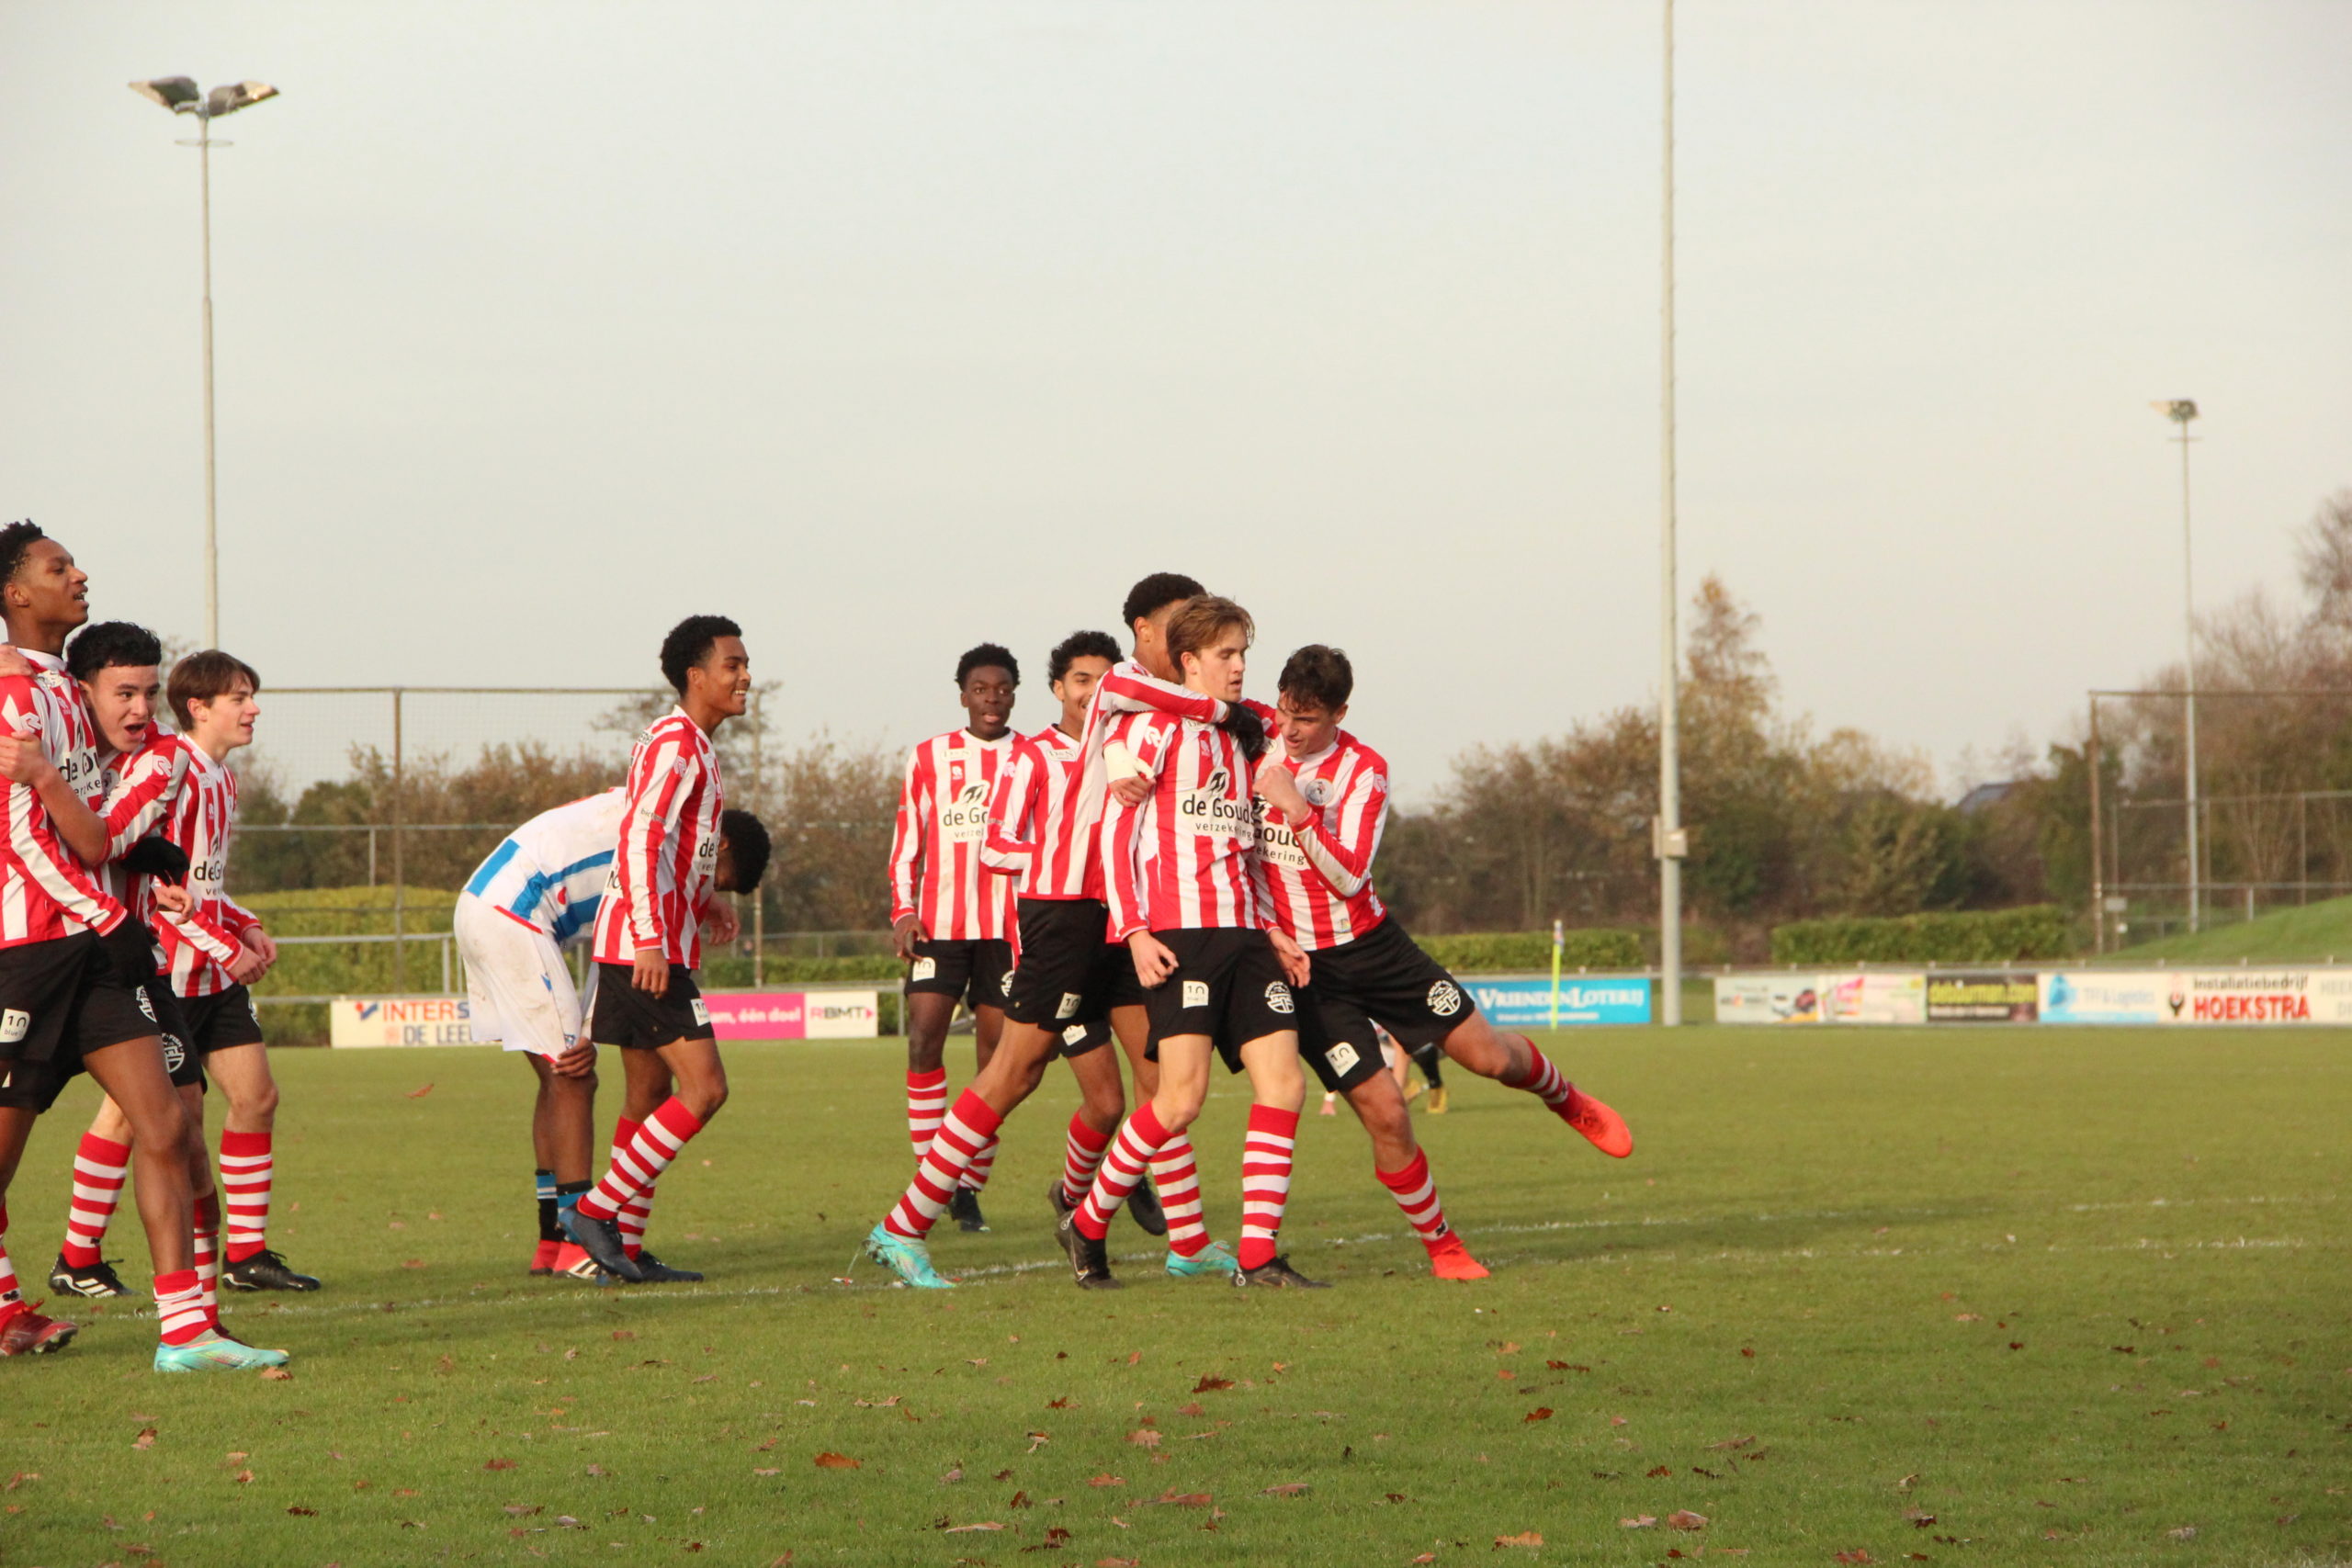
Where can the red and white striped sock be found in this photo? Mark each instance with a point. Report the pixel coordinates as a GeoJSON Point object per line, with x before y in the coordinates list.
{"type": "Point", "coordinates": [11, 1299]}
{"type": "Point", "coordinates": [1140, 1137]}
{"type": "Point", "coordinates": [1265, 1181]}
{"type": "Point", "coordinates": [179, 1307]}
{"type": "Point", "coordinates": [1417, 1195]}
{"type": "Point", "coordinates": [926, 1103]}
{"type": "Point", "coordinates": [99, 1165]}
{"type": "Point", "coordinates": [245, 1164]}
{"type": "Point", "coordinates": [1176, 1174]}
{"type": "Point", "coordinates": [1543, 1079]}
{"type": "Point", "coordinates": [1082, 1155]}
{"type": "Point", "coordinates": [975, 1175]}
{"type": "Point", "coordinates": [966, 1131]}
{"type": "Point", "coordinates": [207, 1255]}
{"type": "Point", "coordinates": [634, 1213]}
{"type": "Point", "coordinates": [639, 1166]}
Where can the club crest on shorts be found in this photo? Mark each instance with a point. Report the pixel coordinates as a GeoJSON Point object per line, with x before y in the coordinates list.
{"type": "Point", "coordinates": [146, 1003]}
{"type": "Point", "coordinates": [1005, 983]}
{"type": "Point", "coordinates": [175, 1054]}
{"type": "Point", "coordinates": [253, 1006]}
{"type": "Point", "coordinates": [702, 1012]}
{"type": "Point", "coordinates": [14, 1026]}
{"type": "Point", "coordinates": [1068, 1006]}
{"type": "Point", "coordinates": [1277, 997]}
{"type": "Point", "coordinates": [1445, 998]}
{"type": "Point", "coordinates": [1341, 1057]}
{"type": "Point", "coordinates": [926, 969]}
{"type": "Point", "coordinates": [1197, 993]}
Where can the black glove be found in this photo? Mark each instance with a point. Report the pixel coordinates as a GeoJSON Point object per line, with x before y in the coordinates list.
{"type": "Point", "coordinates": [156, 857]}
{"type": "Point", "coordinates": [1248, 731]}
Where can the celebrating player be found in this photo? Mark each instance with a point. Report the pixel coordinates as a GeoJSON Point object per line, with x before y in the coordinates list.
{"type": "Point", "coordinates": [1048, 830]}
{"type": "Point", "coordinates": [69, 958]}
{"type": "Point", "coordinates": [649, 935]}
{"type": "Point", "coordinates": [1183, 897]}
{"type": "Point", "coordinates": [1321, 829]}
{"type": "Point", "coordinates": [951, 915]}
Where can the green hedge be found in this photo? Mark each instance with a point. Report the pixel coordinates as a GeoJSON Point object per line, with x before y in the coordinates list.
{"type": "Point", "coordinates": [1989, 936]}
{"type": "Point", "coordinates": [1502, 952]}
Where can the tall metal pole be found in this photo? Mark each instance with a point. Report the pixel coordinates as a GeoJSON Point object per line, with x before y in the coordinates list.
{"type": "Point", "coordinates": [211, 502]}
{"type": "Point", "coordinates": [1669, 779]}
{"type": "Point", "coordinates": [2188, 622]}
{"type": "Point", "coordinates": [2099, 876]}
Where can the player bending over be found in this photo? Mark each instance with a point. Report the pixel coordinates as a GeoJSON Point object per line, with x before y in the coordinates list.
{"type": "Point", "coordinates": [1321, 829]}
{"type": "Point", "coordinates": [70, 958]}
{"type": "Point", "coordinates": [649, 939]}
{"type": "Point", "coordinates": [1184, 896]}
{"type": "Point", "coordinates": [951, 914]}
{"type": "Point", "coordinates": [1050, 830]}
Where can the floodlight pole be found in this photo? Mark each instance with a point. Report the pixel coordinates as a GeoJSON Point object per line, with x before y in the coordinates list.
{"type": "Point", "coordinates": [211, 491]}
{"type": "Point", "coordinates": [1670, 847]}
{"type": "Point", "coordinates": [2181, 410]}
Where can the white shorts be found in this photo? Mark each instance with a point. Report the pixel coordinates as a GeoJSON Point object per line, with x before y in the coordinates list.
{"type": "Point", "coordinates": [519, 991]}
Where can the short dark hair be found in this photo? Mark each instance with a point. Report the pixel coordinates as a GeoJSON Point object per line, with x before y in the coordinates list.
{"type": "Point", "coordinates": [988, 655]}
{"type": "Point", "coordinates": [1200, 622]}
{"type": "Point", "coordinates": [689, 643]}
{"type": "Point", "coordinates": [1320, 675]}
{"type": "Point", "coordinates": [95, 648]}
{"type": "Point", "coordinates": [747, 846]}
{"type": "Point", "coordinates": [200, 677]}
{"type": "Point", "coordinates": [1155, 593]}
{"type": "Point", "coordinates": [15, 540]}
{"type": "Point", "coordinates": [1076, 646]}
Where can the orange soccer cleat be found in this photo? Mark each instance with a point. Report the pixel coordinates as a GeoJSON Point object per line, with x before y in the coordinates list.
{"type": "Point", "coordinates": [25, 1332]}
{"type": "Point", "coordinates": [1449, 1260]}
{"type": "Point", "coordinates": [1597, 1122]}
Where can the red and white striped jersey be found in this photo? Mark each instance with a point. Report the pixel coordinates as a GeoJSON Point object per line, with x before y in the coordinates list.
{"type": "Point", "coordinates": [45, 890]}
{"type": "Point", "coordinates": [936, 872]}
{"type": "Point", "coordinates": [1182, 860]}
{"type": "Point", "coordinates": [171, 788]}
{"type": "Point", "coordinates": [1317, 879]}
{"type": "Point", "coordinates": [1126, 687]}
{"type": "Point", "coordinates": [1029, 832]}
{"type": "Point", "coordinates": [667, 862]}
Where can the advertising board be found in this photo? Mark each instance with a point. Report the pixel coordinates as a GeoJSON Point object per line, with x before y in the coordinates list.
{"type": "Point", "coordinates": [2091, 995]}
{"type": "Point", "coordinates": [2258, 997]}
{"type": "Point", "coordinates": [1874, 998]}
{"type": "Point", "coordinates": [794, 1015]}
{"type": "Point", "coordinates": [1584, 999]}
{"type": "Point", "coordinates": [1983, 998]}
{"type": "Point", "coordinates": [1767, 999]}
{"type": "Point", "coordinates": [380, 1021]}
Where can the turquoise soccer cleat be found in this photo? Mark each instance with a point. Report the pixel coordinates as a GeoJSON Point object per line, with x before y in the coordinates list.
{"type": "Point", "coordinates": [910, 1260]}
{"type": "Point", "coordinates": [1214, 1259]}
{"type": "Point", "coordinates": [210, 1352]}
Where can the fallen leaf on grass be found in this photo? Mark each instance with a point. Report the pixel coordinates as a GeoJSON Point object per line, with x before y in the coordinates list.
{"type": "Point", "coordinates": [767, 1472]}
{"type": "Point", "coordinates": [1193, 1408]}
{"type": "Point", "coordinates": [2185, 1532]}
{"type": "Point", "coordinates": [276, 1374]}
{"type": "Point", "coordinates": [1210, 1385]}
{"type": "Point", "coordinates": [952, 1477]}
{"type": "Point", "coordinates": [1506, 1374]}
{"type": "Point", "coordinates": [419, 1093]}
{"type": "Point", "coordinates": [1921, 1518]}
{"type": "Point", "coordinates": [598, 1470]}
{"type": "Point", "coordinates": [1568, 1367]}
{"type": "Point", "coordinates": [1106, 1480]}
{"type": "Point", "coordinates": [1062, 1404]}
{"type": "Point", "coordinates": [146, 1440]}
{"type": "Point", "coordinates": [303, 1513]}
{"type": "Point", "coordinates": [983, 1524]}
{"type": "Point", "coordinates": [1638, 1522]}
{"type": "Point", "coordinates": [242, 1477]}
{"type": "Point", "coordinates": [1020, 1500]}
{"type": "Point", "coordinates": [830, 1460]}
{"type": "Point", "coordinates": [1424, 1556]}
{"type": "Point", "coordinates": [1115, 1563]}
{"type": "Point", "coordinates": [405, 1263]}
{"type": "Point", "coordinates": [1507, 1347]}
{"type": "Point", "coordinates": [1524, 1538]}
{"type": "Point", "coordinates": [1540, 1413]}
{"type": "Point", "coordinates": [1732, 1443]}
{"type": "Point", "coordinates": [624, 1333]}
{"type": "Point", "coordinates": [1658, 1470]}
{"type": "Point", "coordinates": [1143, 1438]}
{"type": "Point", "coordinates": [1684, 1519]}
{"type": "Point", "coordinates": [1174, 1498]}
{"type": "Point", "coordinates": [1288, 1489]}
{"type": "Point", "coordinates": [1857, 1555]}
{"type": "Point", "coordinates": [499, 1464]}
{"type": "Point", "coordinates": [521, 1510]}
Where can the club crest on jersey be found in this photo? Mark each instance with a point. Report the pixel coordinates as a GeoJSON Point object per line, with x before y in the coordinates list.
{"type": "Point", "coordinates": [14, 1026]}
{"type": "Point", "coordinates": [1068, 1008]}
{"type": "Point", "coordinates": [175, 1054]}
{"type": "Point", "coordinates": [1278, 997]}
{"type": "Point", "coordinates": [1445, 998]}
{"type": "Point", "coordinates": [146, 1005]}
{"type": "Point", "coordinates": [1197, 993]}
{"type": "Point", "coordinates": [924, 969]}
{"type": "Point", "coordinates": [1317, 791]}
{"type": "Point", "coordinates": [1341, 1057]}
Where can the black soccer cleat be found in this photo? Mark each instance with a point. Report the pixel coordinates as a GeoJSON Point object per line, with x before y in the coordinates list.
{"type": "Point", "coordinates": [966, 1206]}
{"type": "Point", "coordinates": [600, 1239]}
{"type": "Point", "coordinates": [1059, 1198]}
{"type": "Point", "coordinates": [1143, 1204]}
{"type": "Point", "coordinates": [264, 1271]}
{"type": "Point", "coordinates": [97, 1279]}
{"type": "Point", "coordinates": [660, 1273]}
{"type": "Point", "coordinates": [1089, 1260]}
{"type": "Point", "coordinates": [1276, 1273]}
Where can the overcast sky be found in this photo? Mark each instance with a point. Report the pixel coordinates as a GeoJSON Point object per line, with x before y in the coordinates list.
{"type": "Point", "coordinates": [891, 328]}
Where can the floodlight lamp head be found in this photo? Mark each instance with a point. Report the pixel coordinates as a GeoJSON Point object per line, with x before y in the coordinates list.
{"type": "Point", "coordinates": [236, 95]}
{"type": "Point", "coordinates": [177, 93]}
{"type": "Point", "coordinates": [2181, 410]}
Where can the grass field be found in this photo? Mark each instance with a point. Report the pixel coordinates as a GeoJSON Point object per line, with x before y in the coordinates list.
{"type": "Point", "coordinates": [2310, 933]}
{"type": "Point", "coordinates": [1996, 1296]}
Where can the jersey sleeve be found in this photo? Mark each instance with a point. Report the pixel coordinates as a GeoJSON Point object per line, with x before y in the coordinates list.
{"type": "Point", "coordinates": [907, 836]}
{"type": "Point", "coordinates": [1011, 809]}
{"type": "Point", "coordinates": [143, 797]}
{"type": "Point", "coordinates": [1343, 854]}
{"type": "Point", "coordinates": [212, 939]}
{"type": "Point", "coordinates": [1123, 883]}
{"type": "Point", "coordinates": [1128, 687]}
{"type": "Point", "coordinates": [657, 795]}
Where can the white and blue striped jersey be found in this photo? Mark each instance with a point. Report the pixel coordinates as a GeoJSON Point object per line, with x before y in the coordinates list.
{"type": "Point", "coordinates": [552, 871]}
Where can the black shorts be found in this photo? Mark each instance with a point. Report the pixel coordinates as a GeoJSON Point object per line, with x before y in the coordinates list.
{"type": "Point", "coordinates": [1384, 978]}
{"type": "Point", "coordinates": [156, 1000]}
{"type": "Point", "coordinates": [1066, 968]}
{"type": "Point", "coordinates": [1340, 1061]}
{"type": "Point", "coordinates": [35, 1086]}
{"type": "Point", "coordinates": [1228, 985]}
{"type": "Point", "coordinates": [60, 1000]}
{"type": "Point", "coordinates": [638, 1020]}
{"type": "Point", "coordinates": [977, 973]}
{"type": "Point", "coordinates": [221, 1019]}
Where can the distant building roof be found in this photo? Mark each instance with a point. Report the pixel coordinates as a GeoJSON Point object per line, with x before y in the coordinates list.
{"type": "Point", "coordinates": [1986, 796]}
